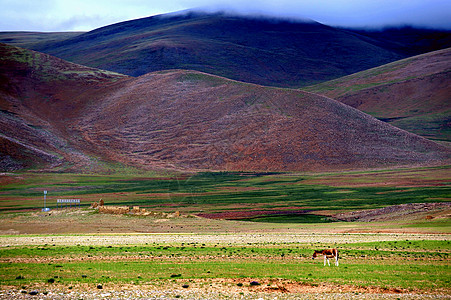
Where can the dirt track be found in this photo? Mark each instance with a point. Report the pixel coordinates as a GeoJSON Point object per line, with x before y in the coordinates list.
{"type": "Point", "coordinates": [235, 239]}
{"type": "Point", "coordinates": [215, 289]}
{"type": "Point", "coordinates": [198, 294]}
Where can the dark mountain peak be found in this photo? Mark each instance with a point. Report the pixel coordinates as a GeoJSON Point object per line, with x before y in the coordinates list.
{"type": "Point", "coordinates": [230, 15]}
{"type": "Point", "coordinates": [197, 20]}
{"type": "Point", "coordinates": [256, 49]}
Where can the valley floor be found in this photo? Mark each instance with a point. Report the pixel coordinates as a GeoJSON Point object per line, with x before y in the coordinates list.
{"type": "Point", "coordinates": [392, 229]}
{"type": "Point", "coordinates": [144, 259]}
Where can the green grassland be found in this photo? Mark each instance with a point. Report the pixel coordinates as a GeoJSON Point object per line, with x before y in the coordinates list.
{"type": "Point", "coordinates": [225, 202]}
{"type": "Point", "coordinates": [420, 266]}
{"type": "Point", "coordinates": [224, 191]}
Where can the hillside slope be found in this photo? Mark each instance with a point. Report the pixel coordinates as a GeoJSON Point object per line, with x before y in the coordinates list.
{"type": "Point", "coordinates": [30, 39]}
{"type": "Point", "coordinates": [68, 116]}
{"type": "Point", "coordinates": [38, 96]}
{"type": "Point", "coordinates": [191, 120]}
{"type": "Point", "coordinates": [413, 93]}
{"type": "Point", "coordinates": [265, 51]}
{"type": "Point", "coordinates": [408, 40]}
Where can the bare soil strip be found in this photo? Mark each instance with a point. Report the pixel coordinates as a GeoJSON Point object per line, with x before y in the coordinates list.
{"type": "Point", "coordinates": [234, 239]}
{"type": "Point", "coordinates": [217, 289]}
{"type": "Point", "coordinates": [394, 211]}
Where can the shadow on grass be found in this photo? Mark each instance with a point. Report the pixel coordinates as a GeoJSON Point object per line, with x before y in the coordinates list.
{"type": "Point", "coordinates": [304, 218]}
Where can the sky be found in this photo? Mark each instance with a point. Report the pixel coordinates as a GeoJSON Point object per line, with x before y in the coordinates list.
{"type": "Point", "coordinates": [85, 15]}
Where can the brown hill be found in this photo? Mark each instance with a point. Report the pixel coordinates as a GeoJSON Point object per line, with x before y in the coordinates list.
{"type": "Point", "coordinates": [191, 120]}
{"type": "Point", "coordinates": [39, 95]}
{"type": "Point", "coordinates": [413, 93]}
{"type": "Point", "coordinates": [186, 120]}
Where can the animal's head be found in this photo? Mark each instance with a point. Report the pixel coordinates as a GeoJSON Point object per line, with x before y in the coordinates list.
{"type": "Point", "coordinates": [315, 254]}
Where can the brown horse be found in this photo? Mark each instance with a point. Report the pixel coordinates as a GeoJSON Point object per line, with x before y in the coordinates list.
{"type": "Point", "coordinates": [327, 253]}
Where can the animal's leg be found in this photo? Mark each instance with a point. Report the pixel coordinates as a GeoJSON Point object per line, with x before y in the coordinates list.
{"type": "Point", "coordinates": [336, 261]}
{"type": "Point", "coordinates": [325, 260]}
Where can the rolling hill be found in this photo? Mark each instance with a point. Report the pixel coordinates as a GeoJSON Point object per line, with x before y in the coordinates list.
{"type": "Point", "coordinates": [61, 115]}
{"type": "Point", "coordinates": [38, 96]}
{"type": "Point", "coordinates": [193, 120]}
{"type": "Point", "coordinates": [260, 50]}
{"type": "Point", "coordinates": [413, 93]}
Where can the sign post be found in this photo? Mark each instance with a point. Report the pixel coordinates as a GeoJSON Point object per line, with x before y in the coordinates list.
{"type": "Point", "coordinates": [45, 208]}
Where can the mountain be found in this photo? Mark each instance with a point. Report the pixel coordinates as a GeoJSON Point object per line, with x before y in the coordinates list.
{"type": "Point", "coordinates": [413, 94]}
{"type": "Point", "coordinates": [260, 50]}
{"type": "Point", "coordinates": [67, 116]}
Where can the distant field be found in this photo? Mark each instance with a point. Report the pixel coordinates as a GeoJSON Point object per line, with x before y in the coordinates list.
{"type": "Point", "coordinates": [225, 192]}
{"type": "Point", "coordinates": [221, 202]}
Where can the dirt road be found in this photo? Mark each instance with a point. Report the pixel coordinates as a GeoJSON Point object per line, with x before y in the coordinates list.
{"type": "Point", "coordinates": [234, 239]}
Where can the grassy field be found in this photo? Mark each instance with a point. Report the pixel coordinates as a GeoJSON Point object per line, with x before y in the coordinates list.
{"type": "Point", "coordinates": [402, 266]}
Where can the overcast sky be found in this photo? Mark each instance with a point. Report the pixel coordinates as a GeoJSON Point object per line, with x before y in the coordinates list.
{"type": "Point", "coordinates": [83, 15]}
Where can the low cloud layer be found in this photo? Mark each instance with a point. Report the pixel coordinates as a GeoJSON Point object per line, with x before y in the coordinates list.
{"type": "Point", "coordinates": [64, 15]}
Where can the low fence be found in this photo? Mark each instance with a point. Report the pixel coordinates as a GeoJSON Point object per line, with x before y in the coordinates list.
{"type": "Point", "coordinates": [68, 203]}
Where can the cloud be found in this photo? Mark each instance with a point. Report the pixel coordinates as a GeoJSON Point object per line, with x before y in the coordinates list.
{"type": "Point", "coordinates": [435, 13]}
{"type": "Point", "coordinates": [66, 15]}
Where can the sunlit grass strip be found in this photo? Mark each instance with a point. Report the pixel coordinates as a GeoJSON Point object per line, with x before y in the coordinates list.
{"type": "Point", "coordinates": [400, 249]}
{"type": "Point", "coordinates": [411, 276]}
{"type": "Point", "coordinates": [410, 265]}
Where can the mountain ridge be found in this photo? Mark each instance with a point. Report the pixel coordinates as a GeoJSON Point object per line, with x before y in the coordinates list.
{"type": "Point", "coordinates": [251, 48]}
{"type": "Point", "coordinates": [257, 50]}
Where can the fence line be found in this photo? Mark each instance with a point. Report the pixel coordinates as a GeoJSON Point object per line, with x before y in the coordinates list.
{"type": "Point", "coordinates": [66, 202]}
